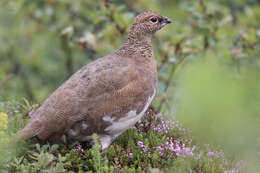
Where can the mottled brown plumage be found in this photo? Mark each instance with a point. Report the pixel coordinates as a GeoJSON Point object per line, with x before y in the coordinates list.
{"type": "Point", "coordinates": [105, 97]}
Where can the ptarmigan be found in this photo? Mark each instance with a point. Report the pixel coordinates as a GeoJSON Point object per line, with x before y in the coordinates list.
{"type": "Point", "coordinates": [107, 96]}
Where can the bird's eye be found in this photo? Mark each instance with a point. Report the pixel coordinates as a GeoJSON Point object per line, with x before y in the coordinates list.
{"type": "Point", "coordinates": [154, 19]}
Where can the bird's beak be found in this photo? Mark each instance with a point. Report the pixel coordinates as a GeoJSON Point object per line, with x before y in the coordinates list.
{"type": "Point", "coordinates": [166, 20]}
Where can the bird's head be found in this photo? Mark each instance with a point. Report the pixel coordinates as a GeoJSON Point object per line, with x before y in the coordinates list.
{"type": "Point", "coordinates": [148, 22]}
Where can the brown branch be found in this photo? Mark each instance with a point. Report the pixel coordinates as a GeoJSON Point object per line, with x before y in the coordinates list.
{"type": "Point", "coordinates": [5, 80]}
{"type": "Point", "coordinates": [168, 82]}
{"type": "Point", "coordinates": [69, 60]}
{"type": "Point", "coordinates": [178, 53]}
{"type": "Point", "coordinates": [119, 28]}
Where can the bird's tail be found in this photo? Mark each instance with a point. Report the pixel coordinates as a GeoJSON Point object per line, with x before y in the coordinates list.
{"type": "Point", "coordinates": [27, 132]}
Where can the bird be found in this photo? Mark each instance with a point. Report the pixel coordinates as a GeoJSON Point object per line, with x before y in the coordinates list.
{"type": "Point", "coordinates": [105, 97]}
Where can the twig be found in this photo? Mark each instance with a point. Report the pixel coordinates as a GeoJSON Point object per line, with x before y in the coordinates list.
{"type": "Point", "coordinates": [68, 53]}
{"type": "Point", "coordinates": [119, 28]}
{"type": "Point", "coordinates": [5, 80]}
{"type": "Point", "coordinates": [178, 53]}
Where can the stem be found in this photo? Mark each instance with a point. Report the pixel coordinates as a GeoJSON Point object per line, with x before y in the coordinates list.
{"type": "Point", "coordinates": [68, 53]}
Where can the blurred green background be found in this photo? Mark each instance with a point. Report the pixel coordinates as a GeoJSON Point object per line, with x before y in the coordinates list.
{"type": "Point", "coordinates": [208, 59]}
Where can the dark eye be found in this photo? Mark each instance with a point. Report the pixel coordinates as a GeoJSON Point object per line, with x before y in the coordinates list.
{"type": "Point", "coordinates": [154, 19]}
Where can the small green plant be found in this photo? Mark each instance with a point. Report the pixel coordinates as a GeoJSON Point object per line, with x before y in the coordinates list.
{"type": "Point", "coordinates": [4, 138]}
{"type": "Point", "coordinates": [42, 159]}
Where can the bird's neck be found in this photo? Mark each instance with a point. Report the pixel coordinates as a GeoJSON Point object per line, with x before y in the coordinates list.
{"type": "Point", "coordinates": [137, 46]}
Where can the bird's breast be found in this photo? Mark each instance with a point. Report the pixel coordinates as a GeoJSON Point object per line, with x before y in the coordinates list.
{"type": "Point", "coordinates": [109, 124]}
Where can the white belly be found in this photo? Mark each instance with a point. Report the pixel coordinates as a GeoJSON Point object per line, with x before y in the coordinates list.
{"type": "Point", "coordinates": [121, 125]}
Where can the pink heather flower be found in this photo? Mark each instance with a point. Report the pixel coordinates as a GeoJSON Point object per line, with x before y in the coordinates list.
{"type": "Point", "coordinates": [215, 154]}
{"type": "Point", "coordinates": [231, 171]}
{"type": "Point", "coordinates": [142, 146]}
{"type": "Point", "coordinates": [31, 114]}
{"type": "Point", "coordinates": [185, 151]}
{"type": "Point", "coordinates": [163, 127]}
{"type": "Point", "coordinates": [160, 149]}
{"type": "Point", "coordinates": [181, 150]}
{"type": "Point", "coordinates": [175, 148]}
{"type": "Point", "coordinates": [79, 149]}
{"type": "Point", "coordinates": [211, 154]}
